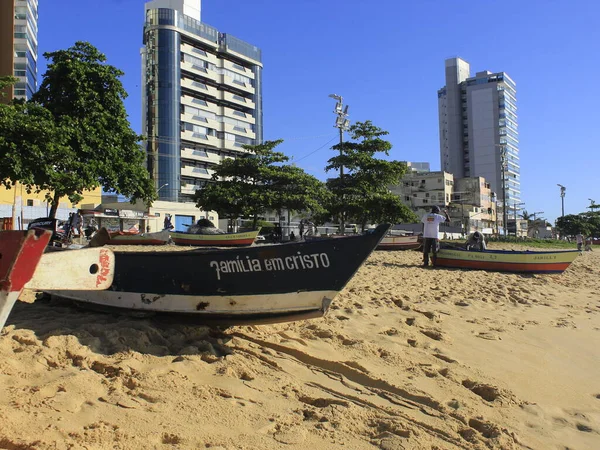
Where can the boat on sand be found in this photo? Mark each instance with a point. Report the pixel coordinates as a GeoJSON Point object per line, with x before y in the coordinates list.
{"type": "Point", "coordinates": [258, 284]}
{"type": "Point", "coordinates": [507, 260]}
{"type": "Point", "coordinates": [399, 242]}
{"type": "Point", "coordinates": [127, 238]}
{"type": "Point", "coordinates": [242, 239]}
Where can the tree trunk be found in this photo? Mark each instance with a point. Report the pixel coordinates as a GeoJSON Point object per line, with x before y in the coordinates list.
{"type": "Point", "coordinates": [54, 207]}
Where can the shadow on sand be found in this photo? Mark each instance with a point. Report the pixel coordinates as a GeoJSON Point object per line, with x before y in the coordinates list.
{"type": "Point", "coordinates": [110, 333]}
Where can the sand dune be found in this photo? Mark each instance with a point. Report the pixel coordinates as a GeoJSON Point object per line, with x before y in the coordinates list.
{"type": "Point", "coordinates": [407, 358]}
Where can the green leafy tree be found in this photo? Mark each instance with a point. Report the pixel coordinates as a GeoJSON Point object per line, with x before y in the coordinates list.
{"type": "Point", "coordinates": [4, 83]}
{"type": "Point", "coordinates": [572, 224]}
{"type": "Point", "coordinates": [258, 181]}
{"type": "Point", "coordinates": [30, 142]}
{"type": "Point", "coordinates": [362, 193]}
{"type": "Point", "coordinates": [98, 147]}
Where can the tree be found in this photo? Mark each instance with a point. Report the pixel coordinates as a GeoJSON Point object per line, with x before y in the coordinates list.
{"type": "Point", "coordinates": [572, 224]}
{"type": "Point", "coordinates": [258, 181]}
{"type": "Point", "coordinates": [6, 81]}
{"type": "Point", "coordinates": [30, 142]}
{"type": "Point", "coordinates": [97, 147]}
{"type": "Point", "coordinates": [363, 192]}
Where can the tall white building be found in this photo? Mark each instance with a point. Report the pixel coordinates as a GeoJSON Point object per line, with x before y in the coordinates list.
{"type": "Point", "coordinates": [202, 97]}
{"type": "Point", "coordinates": [19, 46]}
{"type": "Point", "coordinates": [478, 125]}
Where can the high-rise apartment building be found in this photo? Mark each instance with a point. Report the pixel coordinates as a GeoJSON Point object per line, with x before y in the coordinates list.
{"type": "Point", "coordinates": [202, 97]}
{"type": "Point", "coordinates": [18, 46]}
{"type": "Point", "coordinates": [478, 128]}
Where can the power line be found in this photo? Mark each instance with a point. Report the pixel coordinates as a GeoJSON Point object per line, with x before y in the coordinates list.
{"type": "Point", "coordinates": [315, 151]}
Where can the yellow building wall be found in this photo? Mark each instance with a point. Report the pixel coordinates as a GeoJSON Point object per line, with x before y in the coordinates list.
{"type": "Point", "coordinates": [7, 197]}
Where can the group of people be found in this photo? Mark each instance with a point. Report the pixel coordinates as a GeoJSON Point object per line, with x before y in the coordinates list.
{"type": "Point", "coordinates": [74, 225]}
{"type": "Point", "coordinates": [581, 242]}
{"type": "Point", "coordinates": [431, 235]}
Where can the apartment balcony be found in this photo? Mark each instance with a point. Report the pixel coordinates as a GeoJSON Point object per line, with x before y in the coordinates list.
{"type": "Point", "coordinates": [200, 155]}
{"type": "Point", "coordinates": [246, 132]}
{"type": "Point", "coordinates": [200, 71]}
{"type": "Point", "coordinates": [238, 68]}
{"type": "Point", "coordinates": [189, 189]}
{"type": "Point", "coordinates": [232, 145]}
{"type": "Point", "coordinates": [227, 80]}
{"type": "Point", "coordinates": [238, 100]}
{"type": "Point", "coordinates": [210, 141]}
{"type": "Point", "coordinates": [202, 121]}
{"type": "Point", "coordinates": [200, 104]}
{"type": "Point", "coordinates": [246, 118]}
{"type": "Point", "coordinates": [206, 56]}
{"type": "Point", "coordinates": [199, 87]}
{"type": "Point", "coordinates": [197, 172]}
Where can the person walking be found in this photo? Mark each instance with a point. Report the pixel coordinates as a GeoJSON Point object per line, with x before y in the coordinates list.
{"type": "Point", "coordinates": [431, 230]}
{"type": "Point", "coordinates": [301, 228]}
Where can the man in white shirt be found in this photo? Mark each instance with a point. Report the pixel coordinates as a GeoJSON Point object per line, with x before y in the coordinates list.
{"type": "Point", "coordinates": [431, 229]}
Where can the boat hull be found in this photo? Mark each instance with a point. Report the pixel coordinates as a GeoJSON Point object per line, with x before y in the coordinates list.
{"type": "Point", "coordinates": [507, 261]}
{"type": "Point", "coordinates": [391, 242]}
{"type": "Point", "coordinates": [159, 238]}
{"type": "Point", "coordinates": [284, 281]}
{"type": "Point", "coordinates": [218, 240]}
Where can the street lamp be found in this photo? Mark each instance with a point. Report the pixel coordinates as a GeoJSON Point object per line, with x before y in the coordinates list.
{"type": "Point", "coordinates": [342, 124]}
{"type": "Point", "coordinates": [562, 198]}
{"type": "Point", "coordinates": [166, 184]}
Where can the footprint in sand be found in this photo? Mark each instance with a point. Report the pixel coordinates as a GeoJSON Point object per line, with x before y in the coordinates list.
{"type": "Point", "coordinates": [485, 391]}
{"type": "Point", "coordinates": [433, 334]}
{"type": "Point", "coordinates": [487, 429]}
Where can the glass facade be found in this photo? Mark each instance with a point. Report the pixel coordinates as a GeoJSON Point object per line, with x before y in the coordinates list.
{"type": "Point", "coordinates": [163, 93]}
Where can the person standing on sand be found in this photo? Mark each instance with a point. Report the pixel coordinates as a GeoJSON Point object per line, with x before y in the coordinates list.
{"type": "Point", "coordinates": [431, 230]}
{"type": "Point", "coordinates": [588, 244]}
{"type": "Point", "coordinates": [579, 240]}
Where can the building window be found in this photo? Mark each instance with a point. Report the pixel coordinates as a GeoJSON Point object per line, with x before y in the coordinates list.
{"type": "Point", "coordinates": [29, 202]}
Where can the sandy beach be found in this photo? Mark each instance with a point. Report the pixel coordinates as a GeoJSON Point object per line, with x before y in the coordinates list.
{"type": "Point", "coordinates": [407, 358]}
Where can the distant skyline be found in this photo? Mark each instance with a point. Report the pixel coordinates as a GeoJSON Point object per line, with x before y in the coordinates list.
{"type": "Point", "coordinates": [388, 63]}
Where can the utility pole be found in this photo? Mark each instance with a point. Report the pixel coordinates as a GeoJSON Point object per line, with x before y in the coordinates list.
{"type": "Point", "coordinates": [515, 211]}
{"type": "Point", "coordinates": [343, 124]}
{"type": "Point", "coordinates": [562, 198]}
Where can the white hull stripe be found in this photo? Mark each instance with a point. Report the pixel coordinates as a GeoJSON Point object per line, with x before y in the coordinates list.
{"type": "Point", "coordinates": [260, 304]}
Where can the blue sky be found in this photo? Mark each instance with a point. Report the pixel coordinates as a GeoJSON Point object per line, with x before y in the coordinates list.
{"type": "Point", "coordinates": [386, 58]}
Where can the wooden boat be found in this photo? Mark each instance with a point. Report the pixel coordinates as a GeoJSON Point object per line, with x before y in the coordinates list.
{"type": "Point", "coordinates": [220, 240]}
{"type": "Point", "coordinates": [258, 284]}
{"type": "Point", "coordinates": [507, 260]}
{"type": "Point", "coordinates": [397, 242]}
{"type": "Point", "coordinates": [127, 238]}
{"type": "Point", "coordinates": [25, 265]}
